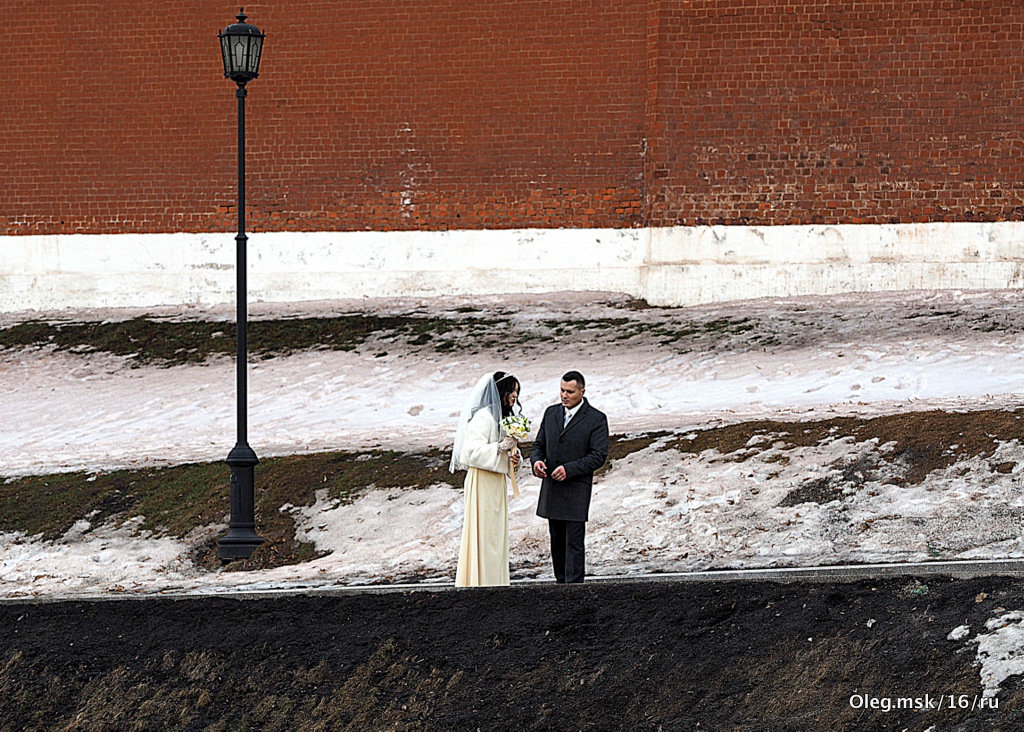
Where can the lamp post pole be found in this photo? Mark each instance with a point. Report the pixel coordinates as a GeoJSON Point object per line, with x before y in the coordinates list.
{"type": "Point", "coordinates": [241, 48]}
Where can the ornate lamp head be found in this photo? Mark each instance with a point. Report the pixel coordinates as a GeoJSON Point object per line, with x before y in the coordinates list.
{"type": "Point", "coordinates": [241, 45]}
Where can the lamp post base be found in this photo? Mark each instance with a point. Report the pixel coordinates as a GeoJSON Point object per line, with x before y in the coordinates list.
{"type": "Point", "coordinates": [241, 539]}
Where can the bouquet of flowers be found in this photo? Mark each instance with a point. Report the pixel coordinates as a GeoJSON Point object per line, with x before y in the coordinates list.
{"type": "Point", "coordinates": [516, 426]}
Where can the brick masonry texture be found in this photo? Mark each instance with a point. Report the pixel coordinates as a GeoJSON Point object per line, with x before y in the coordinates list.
{"type": "Point", "coordinates": [822, 112]}
{"type": "Point", "coordinates": [464, 114]}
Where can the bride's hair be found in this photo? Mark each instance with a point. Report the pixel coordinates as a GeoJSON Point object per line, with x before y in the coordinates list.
{"type": "Point", "coordinates": [506, 383]}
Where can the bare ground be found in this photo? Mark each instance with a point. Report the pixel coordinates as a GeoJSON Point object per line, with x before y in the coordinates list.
{"type": "Point", "coordinates": [602, 656]}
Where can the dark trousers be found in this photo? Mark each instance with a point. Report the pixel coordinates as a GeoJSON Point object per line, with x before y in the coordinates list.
{"type": "Point", "coordinates": [567, 552]}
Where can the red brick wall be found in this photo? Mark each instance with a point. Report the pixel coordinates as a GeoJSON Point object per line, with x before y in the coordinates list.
{"type": "Point", "coordinates": [436, 114]}
{"type": "Point", "coordinates": [783, 112]}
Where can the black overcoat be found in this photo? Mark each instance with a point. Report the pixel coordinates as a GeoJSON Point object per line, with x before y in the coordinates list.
{"type": "Point", "coordinates": [581, 448]}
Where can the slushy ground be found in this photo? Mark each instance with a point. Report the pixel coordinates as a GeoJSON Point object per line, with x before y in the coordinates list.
{"type": "Point", "coordinates": [762, 434]}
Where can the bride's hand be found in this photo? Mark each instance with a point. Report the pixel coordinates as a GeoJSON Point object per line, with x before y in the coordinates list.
{"type": "Point", "coordinates": [507, 443]}
{"type": "Point", "coordinates": [516, 458]}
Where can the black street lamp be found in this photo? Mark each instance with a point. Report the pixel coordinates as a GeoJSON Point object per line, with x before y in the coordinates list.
{"type": "Point", "coordinates": [241, 45]}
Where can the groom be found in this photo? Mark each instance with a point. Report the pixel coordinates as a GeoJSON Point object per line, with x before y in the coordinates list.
{"type": "Point", "coordinates": [571, 444]}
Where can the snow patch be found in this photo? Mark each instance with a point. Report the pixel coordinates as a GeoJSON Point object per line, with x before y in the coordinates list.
{"type": "Point", "coordinates": [1001, 651]}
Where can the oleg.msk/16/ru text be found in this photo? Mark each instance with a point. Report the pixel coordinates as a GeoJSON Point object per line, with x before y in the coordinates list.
{"type": "Point", "coordinates": [923, 703]}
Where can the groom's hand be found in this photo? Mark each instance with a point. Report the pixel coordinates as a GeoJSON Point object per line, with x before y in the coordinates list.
{"type": "Point", "coordinates": [558, 473]}
{"type": "Point", "coordinates": [540, 469]}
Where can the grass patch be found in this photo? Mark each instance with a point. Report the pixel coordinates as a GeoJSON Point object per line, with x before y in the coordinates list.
{"type": "Point", "coordinates": [924, 441]}
{"type": "Point", "coordinates": [169, 343]}
{"type": "Point", "coordinates": [916, 444]}
{"type": "Point", "coordinates": [175, 500]}
{"type": "Point", "coordinates": [684, 335]}
{"type": "Point", "coordinates": [164, 342]}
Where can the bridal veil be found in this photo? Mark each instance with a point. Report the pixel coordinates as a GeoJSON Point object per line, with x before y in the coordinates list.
{"type": "Point", "coordinates": [484, 396]}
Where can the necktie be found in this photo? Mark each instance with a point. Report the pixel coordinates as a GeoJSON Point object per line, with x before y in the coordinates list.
{"type": "Point", "coordinates": [566, 422]}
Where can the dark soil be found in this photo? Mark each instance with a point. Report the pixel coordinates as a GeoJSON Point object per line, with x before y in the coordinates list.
{"type": "Point", "coordinates": [600, 656]}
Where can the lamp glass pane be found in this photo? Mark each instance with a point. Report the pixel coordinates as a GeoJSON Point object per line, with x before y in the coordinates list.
{"type": "Point", "coordinates": [225, 52]}
{"type": "Point", "coordinates": [255, 52]}
{"type": "Point", "coordinates": [239, 53]}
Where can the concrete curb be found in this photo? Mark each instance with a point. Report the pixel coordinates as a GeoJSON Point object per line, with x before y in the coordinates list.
{"type": "Point", "coordinates": [962, 569]}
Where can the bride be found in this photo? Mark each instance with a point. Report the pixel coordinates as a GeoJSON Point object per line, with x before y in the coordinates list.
{"type": "Point", "coordinates": [486, 453]}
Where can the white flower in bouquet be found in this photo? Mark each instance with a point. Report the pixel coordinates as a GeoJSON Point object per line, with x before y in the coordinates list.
{"type": "Point", "coordinates": [517, 426]}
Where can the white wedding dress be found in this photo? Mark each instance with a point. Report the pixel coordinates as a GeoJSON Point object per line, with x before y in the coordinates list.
{"type": "Point", "coordinates": [483, 555]}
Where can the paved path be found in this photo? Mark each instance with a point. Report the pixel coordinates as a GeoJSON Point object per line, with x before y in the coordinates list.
{"type": "Point", "coordinates": [962, 569]}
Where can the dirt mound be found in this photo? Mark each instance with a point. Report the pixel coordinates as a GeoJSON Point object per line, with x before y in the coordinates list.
{"type": "Point", "coordinates": [871, 655]}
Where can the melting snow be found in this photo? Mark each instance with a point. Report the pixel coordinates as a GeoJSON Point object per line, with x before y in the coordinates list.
{"type": "Point", "coordinates": [658, 510]}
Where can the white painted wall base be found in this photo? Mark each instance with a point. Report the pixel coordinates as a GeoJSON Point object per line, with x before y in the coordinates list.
{"type": "Point", "coordinates": [665, 266]}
